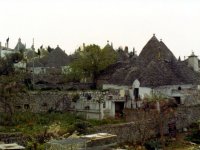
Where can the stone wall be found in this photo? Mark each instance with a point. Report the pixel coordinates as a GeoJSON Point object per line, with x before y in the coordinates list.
{"type": "Point", "coordinates": [128, 132]}
{"type": "Point", "coordinates": [40, 101]}
{"type": "Point", "coordinates": [13, 138]}
{"type": "Point", "coordinates": [187, 115]}
{"type": "Point", "coordinates": [148, 126]}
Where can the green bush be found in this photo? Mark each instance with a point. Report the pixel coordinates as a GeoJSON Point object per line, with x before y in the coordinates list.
{"type": "Point", "coordinates": [75, 97]}
{"type": "Point", "coordinates": [194, 137]}
{"type": "Point", "coordinates": [82, 126]}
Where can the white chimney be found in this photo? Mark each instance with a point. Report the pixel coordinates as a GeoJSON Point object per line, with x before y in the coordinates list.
{"type": "Point", "coordinates": [193, 62]}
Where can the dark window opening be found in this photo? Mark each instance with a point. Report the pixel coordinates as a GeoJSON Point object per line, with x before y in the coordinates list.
{"type": "Point", "coordinates": [44, 104]}
{"type": "Point", "coordinates": [178, 100]}
{"type": "Point", "coordinates": [104, 105]}
{"type": "Point", "coordinates": [87, 107]}
{"type": "Point", "coordinates": [26, 106]}
{"type": "Point", "coordinates": [119, 107]}
{"type": "Point", "coordinates": [179, 88]}
{"type": "Point", "coordinates": [136, 93]}
{"type": "Point", "coordinates": [18, 107]}
{"type": "Point", "coordinates": [110, 97]}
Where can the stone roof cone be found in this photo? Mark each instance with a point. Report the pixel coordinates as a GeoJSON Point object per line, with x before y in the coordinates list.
{"type": "Point", "coordinates": [57, 58]}
{"type": "Point", "coordinates": [155, 50]}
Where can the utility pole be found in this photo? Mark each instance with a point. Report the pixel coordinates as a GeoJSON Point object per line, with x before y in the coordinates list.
{"type": "Point", "coordinates": [33, 49]}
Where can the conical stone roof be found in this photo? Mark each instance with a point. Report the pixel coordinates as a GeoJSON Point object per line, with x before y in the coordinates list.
{"type": "Point", "coordinates": [155, 50]}
{"type": "Point", "coordinates": [19, 45]}
{"type": "Point", "coordinates": [56, 58]}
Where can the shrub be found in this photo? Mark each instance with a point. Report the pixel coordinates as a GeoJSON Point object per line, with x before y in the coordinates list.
{"type": "Point", "coordinates": [194, 137]}
{"type": "Point", "coordinates": [75, 97]}
{"type": "Point", "coordinates": [153, 144]}
{"type": "Point", "coordinates": [81, 126]}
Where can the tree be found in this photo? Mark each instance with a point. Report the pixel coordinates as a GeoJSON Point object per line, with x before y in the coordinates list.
{"type": "Point", "coordinates": [7, 63]}
{"type": "Point", "coordinates": [165, 109]}
{"type": "Point", "coordinates": [92, 59]}
{"type": "Point", "coordinates": [39, 53]}
{"type": "Point", "coordinates": [42, 51]}
{"type": "Point", "coordinates": [73, 74]}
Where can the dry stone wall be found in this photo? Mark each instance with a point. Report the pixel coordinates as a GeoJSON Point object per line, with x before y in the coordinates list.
{"type": "Point", "coordinates": [40, 101]}
{"type": "Point", "coordinates": [13, 138]}
{"type": "Point", "coordinates": [140, 130]}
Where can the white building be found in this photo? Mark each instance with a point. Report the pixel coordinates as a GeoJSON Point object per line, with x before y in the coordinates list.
{"type": "Point", "coordinates": [100, 105]}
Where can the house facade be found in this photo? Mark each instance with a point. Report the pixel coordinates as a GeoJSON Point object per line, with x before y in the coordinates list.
{"type": "Point", "coordinates": [99, 105]}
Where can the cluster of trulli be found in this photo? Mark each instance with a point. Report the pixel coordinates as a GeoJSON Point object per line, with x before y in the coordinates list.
{"type": "Point", "coordinates": [155, 66]}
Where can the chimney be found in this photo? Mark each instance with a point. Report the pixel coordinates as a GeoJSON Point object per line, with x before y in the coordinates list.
{"type": "Point", "coordinates": [193, 62]}
{"type": "Point", "coordinates": [111, 44]}
{"type": "Point", "coordinates": [126, 49]}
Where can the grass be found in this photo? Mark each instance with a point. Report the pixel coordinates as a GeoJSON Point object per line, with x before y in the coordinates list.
{"type": "Point", "coordinates": [36, 125]}
{"type": "Point", "coordinates": [33, 123]}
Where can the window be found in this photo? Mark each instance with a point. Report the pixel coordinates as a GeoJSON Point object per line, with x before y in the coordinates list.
{"type": "Point", "coordinates": [104, 104]}
{"type": "Point", "coordinates": [178, 100]}
{"type": "Point", "coordinates": [18, 107]}
{"type": "Point", "coordinates": [26, 106]}
{"type": "Point", "coordinates": [136, 93]}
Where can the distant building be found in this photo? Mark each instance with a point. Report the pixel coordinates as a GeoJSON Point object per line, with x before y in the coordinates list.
{"type": "Point", "coordinates": [19, 48]}
{"type": "Point", "coordinates": [97, 105]}
{"type": "Point", "coordinates": [54, 62]}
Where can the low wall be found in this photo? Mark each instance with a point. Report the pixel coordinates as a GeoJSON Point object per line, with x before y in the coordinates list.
{"type": "Point", "coordinates": [128, 132]}
{"type": "Point", "coordinates": [40, 101]}
{"type": "Point", "coordinates": [148, 126]}
{"type": "Point", "coordinates": [13, 138]}
{"type": "Point", "coordinates": [187, 115]}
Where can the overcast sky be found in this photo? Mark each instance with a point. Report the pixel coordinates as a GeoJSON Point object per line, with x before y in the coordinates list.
{"type": "Point", "coordinates": [69, 23]}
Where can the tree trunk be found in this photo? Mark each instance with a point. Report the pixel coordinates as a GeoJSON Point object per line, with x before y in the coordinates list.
{"type": "Point", "coordinates": [94, 80]}
{"type": "Point", "coordinates": [158, 106]}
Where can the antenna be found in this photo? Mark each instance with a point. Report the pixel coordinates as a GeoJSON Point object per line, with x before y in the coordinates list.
{"type": "Point", "coordinates": [33, 44]}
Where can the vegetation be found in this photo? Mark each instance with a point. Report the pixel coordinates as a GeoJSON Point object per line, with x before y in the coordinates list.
{"type": "Point", "coordinates": [7, 63]}
{"type": "Point", "coordinates": [34, 123]}
{"type": "Point", "coordinates": [75, 97]}
{"type": "Point", "coordinates": [10, 87]}
{"type": "Point", "coordinates": [194, 136]}
{"type": "Point", "coordinates": [91, 60]}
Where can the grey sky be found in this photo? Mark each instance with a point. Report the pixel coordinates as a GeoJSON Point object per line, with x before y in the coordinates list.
{"type": "Point", "coordinates": [69, 23]}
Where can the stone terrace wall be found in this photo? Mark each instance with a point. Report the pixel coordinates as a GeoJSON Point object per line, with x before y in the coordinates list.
{"type": "Point", "coordinates": [187, 115]}
{"type": "Point", "coordinates": [13, 138]}
{"type": "Point", "coordinates": [148, 127]}
{"type": "Point", "coordinates": [127, 132]}
{"type": "Point", "coordinates": [40, 101]}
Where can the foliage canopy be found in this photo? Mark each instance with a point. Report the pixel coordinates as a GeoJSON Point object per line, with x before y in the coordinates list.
{"type": "Point", "coordinates": [91, 60]}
